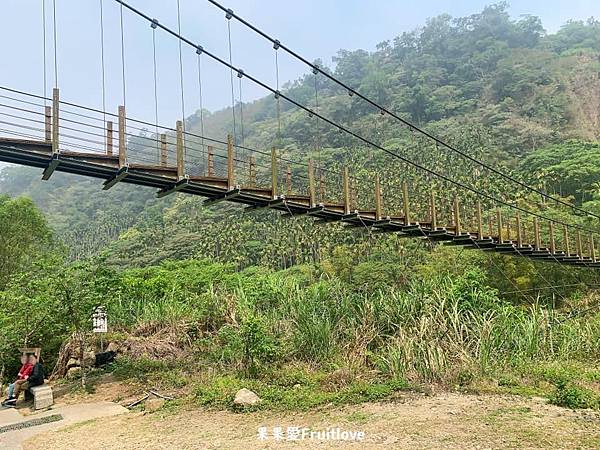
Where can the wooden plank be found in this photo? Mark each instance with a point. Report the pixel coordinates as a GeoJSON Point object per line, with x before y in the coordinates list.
{"type": "Point", "coordinates": [55, 122]}
{"type": "Point", "coordinates": [179, 151]}
{"type": "Point", "coordinates": [122, 137]}
{"type": "Point", "coordinates": [109, 138]}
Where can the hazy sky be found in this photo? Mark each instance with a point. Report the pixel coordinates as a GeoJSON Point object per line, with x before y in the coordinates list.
{"type": "Point", "coordinates": [315, 28]}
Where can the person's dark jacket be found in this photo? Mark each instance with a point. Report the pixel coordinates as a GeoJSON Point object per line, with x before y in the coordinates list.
{"type": "Point", "coordinates": [37, 376]}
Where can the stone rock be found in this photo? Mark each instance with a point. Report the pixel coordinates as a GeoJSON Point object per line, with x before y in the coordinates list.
{"type": "Point", "coordinates": [89, 358]}
{"type": "Point", "coordinates": [153, 404]}
{"type": "Point", "coordinates": [245, 397]}
{"type": "Point", "coordinates": [113, 347]}
{"type": "Point", "coordinates": [42, 396]}
{"type": "Point", "coordinates": [74, 372]}
{"type": "Point", "coordinates": [73, 362]}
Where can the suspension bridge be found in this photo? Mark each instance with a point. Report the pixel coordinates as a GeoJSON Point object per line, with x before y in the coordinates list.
{"type": "Point", "coordinates": [56, 136]}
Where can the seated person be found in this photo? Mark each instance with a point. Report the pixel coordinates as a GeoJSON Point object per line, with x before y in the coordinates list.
{"type": "Point", "coordinates": [23, 375]}
{"type": "Point", "coordinates": [36, 378]}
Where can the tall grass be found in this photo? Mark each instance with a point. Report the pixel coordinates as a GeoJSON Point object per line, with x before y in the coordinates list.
{"type": "Point", "coordinates": [428, 330]}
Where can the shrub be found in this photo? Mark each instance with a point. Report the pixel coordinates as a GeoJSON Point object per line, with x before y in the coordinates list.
{"type": "Point", "coordinates": [570, 395]}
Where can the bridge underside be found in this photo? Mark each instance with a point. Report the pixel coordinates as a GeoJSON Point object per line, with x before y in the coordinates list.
{"type": "Point", "coordinates": [106, 167]}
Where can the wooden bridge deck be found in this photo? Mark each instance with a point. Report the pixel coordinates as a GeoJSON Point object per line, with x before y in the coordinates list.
{"type": "Point", "coordinates": [108, 167]}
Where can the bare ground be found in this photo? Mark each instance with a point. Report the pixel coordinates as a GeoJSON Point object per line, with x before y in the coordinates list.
{"type": "Point", "coordinates": [450, 421]}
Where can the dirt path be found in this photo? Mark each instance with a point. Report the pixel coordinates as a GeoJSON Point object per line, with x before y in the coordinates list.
{"type": "Point", "coordinates": [444, 421]}
{"type": "Point", "coordinates": [71, 415]}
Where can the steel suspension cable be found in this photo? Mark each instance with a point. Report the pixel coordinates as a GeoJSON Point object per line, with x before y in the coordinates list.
{"type": "Point", "coordinates": [231, 76]}
{"type": "Point", "coordinates": [181, 66]}
{"type": "Point", "coordinates": [277, 96]}
{"type": "Point", "coordinates": [55, 44]}
{"type": "Point", "coordinates": [155, 89]}
{"type": "Point", "coordinates": [241, 110]}
{"type": "Point", "coordinates": [44, 50]}
{"type": "Point", "coordinates": [199, 53]}
{"type": "Point", "coordinates": [102, 64]}
{"type": "Point", "coordinates": [317, 133]}
{"type": "Point", "coordinates": [400, 119]}
{"type": "Point", "coordinates": [348, 131]}
{"type": "Point", "coordinates": [123, 56]}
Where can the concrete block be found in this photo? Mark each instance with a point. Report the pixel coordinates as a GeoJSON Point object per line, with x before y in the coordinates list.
{"type": "Point", "coordinates": [42, 396]}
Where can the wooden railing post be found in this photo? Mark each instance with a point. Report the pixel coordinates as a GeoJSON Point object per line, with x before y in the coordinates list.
{"type": "Point", "coordinates": [579, 247]}
{"type": "Point", "coordinates": [210, 163]}
{"type": "Point", "coordinates": [311, 185]}
{"type": "Point", "coordinates": [164, 153]}
{"type": "Point", "coordinates": [288, 181]}
{"type": "Point", "coordinates": [457, 227]}
{"type": "Point", "coordinates": [405, 203]}
{"type": "Point", "coordinates": [499, 225]}
{"type": "Point", "coordinates": [48, 123]}
{"type": "Point", "coordinates": [378, 206]}
{"type": "Point", "coordinates": [433, 211]}
{"type": "Point", "coordinates": [346, 187]}
{"type": "Point", "coordinates": [55, 121]}
{"type": "Point", "coordinates": [479, 222]}
{"type": "Point", "coordinates": [252, 171]}
{"type": "Point", "coordinates": [592, 248]}
{"type": "Point", "coordinates": [122, 138]}
{"type": "Point", "coordinates": [536, 233]}
{"type": "Point", "coordinates": [230, 162]}
{"type": "Point", "coordinates": [180, 151]}
{"type": "Point", "coordinates": [274, 173]}
{"type": "Point", "coordinates": [552, 242]}
{"type": "Point", "coordinates": [109, 138]}
{"type": "Point", "coordinates": [519, 230]}
{"type": "Point", "coordinates": [566, 240]}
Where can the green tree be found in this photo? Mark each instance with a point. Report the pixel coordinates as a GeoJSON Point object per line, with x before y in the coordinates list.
{"type": "Point", "coordinates": [25, 234]}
